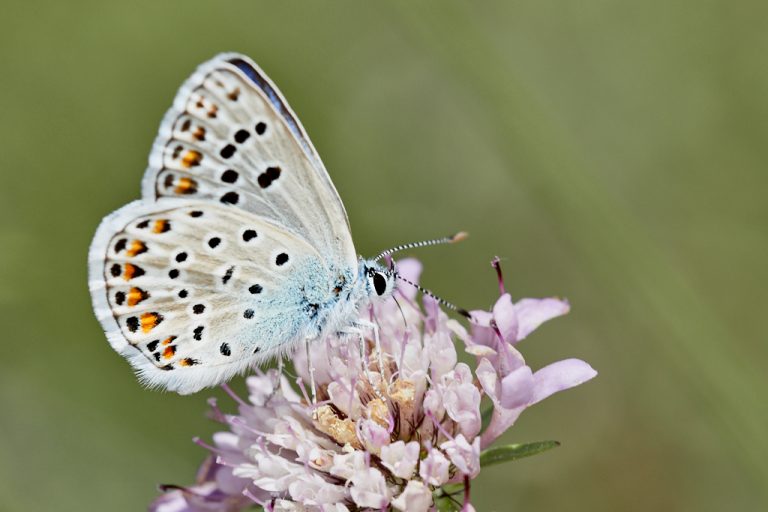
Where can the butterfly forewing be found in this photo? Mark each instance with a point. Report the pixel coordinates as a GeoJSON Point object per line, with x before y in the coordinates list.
{"type": "Point", "coordinates": [231, 138]}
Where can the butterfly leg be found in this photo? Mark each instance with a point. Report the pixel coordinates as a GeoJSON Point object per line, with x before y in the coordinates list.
{"type": "Point", "coordinates": [311, 370]}
{"type": "Point", "coordinates": [377, 341]}
{"type": "Point", "coordinates": [279, 376]}
{"type": "Point", "coordinates": [357, 331]}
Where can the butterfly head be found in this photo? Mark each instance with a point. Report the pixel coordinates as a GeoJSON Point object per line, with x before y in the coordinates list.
{"type": "Point", "coordinates": [380, 282]}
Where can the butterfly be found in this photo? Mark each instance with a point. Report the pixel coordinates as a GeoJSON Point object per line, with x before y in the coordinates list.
{"type": "Point", "coordinates": [240, 247]}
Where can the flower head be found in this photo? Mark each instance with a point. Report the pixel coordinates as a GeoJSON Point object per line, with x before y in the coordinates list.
{"type": "Point", "coordinates": [390, 424]}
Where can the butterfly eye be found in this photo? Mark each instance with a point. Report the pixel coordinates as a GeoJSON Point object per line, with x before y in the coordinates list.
{"type": "Point", "coordinates": [379, 283]}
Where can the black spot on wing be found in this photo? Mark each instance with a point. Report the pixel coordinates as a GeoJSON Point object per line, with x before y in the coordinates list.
{"type": "Point", "coordinates": [241, 136]}
{"type": "Point", "coordinates": [227, 151]}
{"type": "Point", "coordinates": [230, 198]}
{"type": "Point", "coordinates": [228, 275]}
{"type": "Point", "coordinates": [132, 323]}
{"type": "Point", "coordinates": [229, 176]}
{"type": "Point", "coordinates": [266, 178]}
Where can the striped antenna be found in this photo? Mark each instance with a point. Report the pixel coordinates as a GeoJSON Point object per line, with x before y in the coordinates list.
{"type": "Point", "coordinates": [442, 302]}
{"type": "Point", "coordinates": [458, 237]}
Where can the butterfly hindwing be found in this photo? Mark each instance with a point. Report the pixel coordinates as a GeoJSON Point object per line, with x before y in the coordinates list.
{"type": "Point", "coordinates": [193, 293]}
{"type": "Point", "coordinates": [230, 138]}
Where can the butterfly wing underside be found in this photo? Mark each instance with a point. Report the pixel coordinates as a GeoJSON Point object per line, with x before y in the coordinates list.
{"type": "Point", "coordinates": [230, 137]}
{"type": "Point", "coordinates": [194, 293]}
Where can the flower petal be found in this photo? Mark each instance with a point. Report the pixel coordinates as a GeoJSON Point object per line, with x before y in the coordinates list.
{"type": "Point", "coordinates": [531, 313]}
{"type": "Point", "coordinates": [369, 489]}
{"type": "Point", "coordinates": [505, 316]}
{"type": "Point", "coordinates": [489, 380]}
{"type": "Point", "coordinates": [434, 468]}
{"type": "Point", "coordinates": [400, 458]}
{"type": "Point", "coordinates": [442, 353]}
{"type": "Point", "coordinates": [463, 455]}
{"type": "Point", "coordinates": [415, 498]}
{"type": "Point", "coordinates": [560, 376]}
{"type": "Point", "coordinates": [410, 269]}
{"type": "Point", "coordinates": [517, 388]}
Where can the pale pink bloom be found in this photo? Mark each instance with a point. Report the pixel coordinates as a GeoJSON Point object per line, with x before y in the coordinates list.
{"type": "Point", "coordinates": [313, 489]}
{"type": "Point", "coordinates": [378, 437]}
{"type": "Point", "coordinates": [401, 458]}
{"type": "Point", "coordinates": [373, 436]}
{"type": "Point", "coordinates": [287, 506]}
{"type": "Point", "coordinates": [345, 465]}
{"type": "Point", "coordinates": [416, 497]}
{"type": "Point", "coordinates": [369, 489]}
{"type": "Point", "coordinates": [461, 399]}
{"type": "Point", "coordinates": [433, 469]}
{"type": "Point", "coordinates": [463, 455]}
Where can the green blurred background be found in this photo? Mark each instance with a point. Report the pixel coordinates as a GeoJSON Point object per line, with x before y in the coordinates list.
{"type": "Point", "coordinates": [613, 152]}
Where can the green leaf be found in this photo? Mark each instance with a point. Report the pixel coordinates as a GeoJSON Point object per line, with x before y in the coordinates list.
{"type": "Point", "coordinates": [515, 451]}
{"type": "Point", "coordinates": [448, 498]}
{"type": "Point", "coordinates": [445, 504]}
{"type": "Point", "coordinates": [485, 417]}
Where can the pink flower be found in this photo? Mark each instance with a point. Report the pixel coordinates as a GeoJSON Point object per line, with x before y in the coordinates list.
{"type": "Point", "coordinates": [433, 469]}
{"type": "Point", "coordinates": [401, 458]}
{"type": "Point", "coordinates": [464, 456]}
{"type": "Point", "coordinates": [380, 435]}
{"type": "Point", "coordinates": [416, 497]}
{"type": "Point", "coordinates": [369, 489]}
{"type": "Point", "coordinates": [461, 399]}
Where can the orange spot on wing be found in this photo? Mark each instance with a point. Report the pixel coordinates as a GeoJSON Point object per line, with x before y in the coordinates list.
{"type": "Point", "coordinates": [131, 271]}
{"type": "Point", "coordinates": [161, 226]}
{"type": "Point", "coordinates": [191, 158]}
{"type": "Point", "coordinates": [137, 247]}
{"type": "Point", "coordinates": [136, 295]}
{"type": "Point", "coordinates": [186, 186]}
{"type": "Point", "coordinates": [149, 321]}
{"type": "Point", "coordinates": [167, 341]}
{"type": "Point", "coordinates": [169, 351]}
{"type": "Point", "coordinates": [199, 133]}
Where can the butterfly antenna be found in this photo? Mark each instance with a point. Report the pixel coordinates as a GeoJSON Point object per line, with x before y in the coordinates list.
{"type": "Point", "coordinates": [442, 302]}
{"type": "Point", "coordinates": [458, 237]}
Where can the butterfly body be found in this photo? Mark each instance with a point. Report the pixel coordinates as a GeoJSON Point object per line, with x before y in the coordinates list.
{"type": "Point", "coordinates": [239, 249]}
